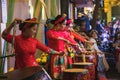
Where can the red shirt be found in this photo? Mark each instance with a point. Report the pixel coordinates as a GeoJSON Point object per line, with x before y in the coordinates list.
{"type": "Point", "coordinates": [25, 49]}
{"type": "Point", "coordinates": [53, 41]}
{"type": "Point", "coordinates": [78, 36]}
{"type": "Point", "coordinates": [69, 37]}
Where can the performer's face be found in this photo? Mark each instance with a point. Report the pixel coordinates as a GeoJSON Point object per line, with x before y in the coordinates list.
{"type": "Point", "coordinates": [31, 31]}
{"type": "Point", "coordinates": [94, 35]}
{"type": "Point", "coordinates": [63, 25]}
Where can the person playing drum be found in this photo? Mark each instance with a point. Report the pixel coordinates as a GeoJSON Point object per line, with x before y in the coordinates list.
{"type": "Point", "coordinates": [57, 40]}
{"type": "Point", "coordinates": [24, 44]}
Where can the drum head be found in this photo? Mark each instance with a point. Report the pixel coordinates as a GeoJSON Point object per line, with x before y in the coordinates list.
{"type": "Point", "coordinates": [76, 71]}
{"type": "Point", "coordinates": [27, 73]}
{"type": "Point", "coordinates": [83, 63]}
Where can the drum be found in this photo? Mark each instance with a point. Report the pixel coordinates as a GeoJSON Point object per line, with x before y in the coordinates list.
{"type": "Point", "coordinates": [88, 66]}
{"type": "Point", "coordinates": [28, 73]}
{"type": "Point", "coordinates": [89, 58]}
{"type": "Point", "coordinates": [76, 74]}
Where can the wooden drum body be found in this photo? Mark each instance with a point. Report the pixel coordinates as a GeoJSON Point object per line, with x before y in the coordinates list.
{"type": "Point", "coordinates": [28, 73]}
{"type": "Point", "coordinates": [88, 66]}
{"type": "Point", "coordinates": [76, 74]}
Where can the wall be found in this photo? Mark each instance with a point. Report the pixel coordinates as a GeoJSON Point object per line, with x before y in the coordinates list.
{"type": "Point", "coordinates": [116, 11]}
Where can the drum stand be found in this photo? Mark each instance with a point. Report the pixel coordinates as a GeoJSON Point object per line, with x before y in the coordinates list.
{"type": "Point", "coordinates": [83, 54]}
{"type": "Point", "coordinates": [7, 56]}
{"type": "Point", "coordinates": [83, 58]}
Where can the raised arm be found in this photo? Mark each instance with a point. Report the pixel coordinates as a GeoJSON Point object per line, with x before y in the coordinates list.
{"type": "Point", "coordinates": [6, 33]}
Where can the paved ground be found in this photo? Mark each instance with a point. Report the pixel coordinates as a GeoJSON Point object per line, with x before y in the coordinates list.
{"type": "Point", "coordinates": [112, 74]}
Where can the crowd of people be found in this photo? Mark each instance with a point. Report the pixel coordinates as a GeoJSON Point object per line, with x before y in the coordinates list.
{"type": "Point", "coordinates": [65, 40]}
{"type": "Point", "coordinates": [92, 41]}
{"type": "Point", "coordinates": [82, 41]}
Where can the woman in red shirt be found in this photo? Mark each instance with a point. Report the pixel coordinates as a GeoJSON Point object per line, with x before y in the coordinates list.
{"type": "Point", "coordinates": [57, 40]}
{"type": "Point", "coordinates": [24, 44]}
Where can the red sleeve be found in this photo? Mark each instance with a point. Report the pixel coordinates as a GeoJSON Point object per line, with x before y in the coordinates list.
{"type": "Point", "coordinates": [78, 36]}
{"type": "Point", "coordinates": [51, 35]}
{"type": "Point", "coordinates": [8, 38]}
{"type": "Point", "coordinates": [72, 40]}
{"type": "Point", "coordinates": [42, 47]}
{"type": "Point", "coordinates": [68, 37]}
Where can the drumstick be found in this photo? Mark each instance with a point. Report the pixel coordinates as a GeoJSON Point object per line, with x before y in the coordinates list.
{"type": "Point", "coordinates": [7, 56]}
{"type": "Point", "coordinates": [83, 58]}
{"type": "Point", "coordinates": [83, 55]}
{"type": "Point", "coordinates": [46, 72]}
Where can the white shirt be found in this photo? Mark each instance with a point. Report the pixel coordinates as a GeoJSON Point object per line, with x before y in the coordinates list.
{"type": "Point", "coordinates": [94, 47]}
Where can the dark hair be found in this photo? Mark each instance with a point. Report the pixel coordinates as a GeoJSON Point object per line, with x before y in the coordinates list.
{"type": "Point", "coordinates": [22, 25]}
{"type": "Point", "coordinates": [48, 21]}
{"type": "Point", "coordinates": [116, 35]}
{"type": "Point", "coordinates": [80, 20]}
{"type": "Point", "coordinates": [57, 18]}
{"type": "Point", "coordinates": [91, 32]}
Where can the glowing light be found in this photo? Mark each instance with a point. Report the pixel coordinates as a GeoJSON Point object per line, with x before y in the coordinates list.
{"type": "Point", "coordinates": [106, 1]}
{"type": "Point", "coordinates": [114, 18]}
{"type": "Point", "coordinates": [106, 10]}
